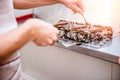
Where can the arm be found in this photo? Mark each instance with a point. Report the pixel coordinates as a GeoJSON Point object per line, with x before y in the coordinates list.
{"type": "Point", "coordinates": [26, 4]}
{"type": "Point", "coordinates": [12, 41]}
{"type": "Point", "coordinates": [75, 5]}
{"type": "Point", "coordinates": [41, 32]}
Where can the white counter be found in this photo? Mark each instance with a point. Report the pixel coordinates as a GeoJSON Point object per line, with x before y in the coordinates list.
{"type": "Point", "coordinates": [55, 63]}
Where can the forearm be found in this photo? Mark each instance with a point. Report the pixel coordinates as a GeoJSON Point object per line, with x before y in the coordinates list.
{"type": "Point", "coordinates": [12, 41]}
{"type": "Point", "coordinates": [26, 4]}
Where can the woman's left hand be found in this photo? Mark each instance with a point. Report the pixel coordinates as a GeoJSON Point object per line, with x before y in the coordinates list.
{"type": "Point", "coordinates": [77, 6]}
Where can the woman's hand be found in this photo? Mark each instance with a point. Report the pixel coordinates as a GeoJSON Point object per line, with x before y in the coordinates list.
{"type": "Point", "coordinates": [44, 33]}
{"type": "Point", "coordinates": [77, 6]}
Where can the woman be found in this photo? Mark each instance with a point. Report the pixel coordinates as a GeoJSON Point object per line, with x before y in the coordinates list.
{"type": "Point", "coordinates": [38, 31]}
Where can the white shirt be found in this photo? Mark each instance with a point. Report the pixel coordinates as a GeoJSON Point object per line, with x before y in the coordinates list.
{"type": "Point", "coordinates": [11, 70]}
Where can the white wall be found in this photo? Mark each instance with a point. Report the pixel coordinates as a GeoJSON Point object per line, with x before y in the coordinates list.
{"type": "Point", "coordinates": [19, 13]}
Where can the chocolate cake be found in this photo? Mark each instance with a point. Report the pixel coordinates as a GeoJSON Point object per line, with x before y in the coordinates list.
{"type": "Point", "coordinates": [83, 32]}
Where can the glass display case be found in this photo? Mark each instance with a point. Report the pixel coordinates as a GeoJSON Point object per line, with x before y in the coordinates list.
{"type": "Point", "coordinates": [98, 33]}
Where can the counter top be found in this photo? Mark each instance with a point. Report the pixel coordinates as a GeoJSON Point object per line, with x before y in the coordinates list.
{"type": "Point", "coordinates": [109, 52]}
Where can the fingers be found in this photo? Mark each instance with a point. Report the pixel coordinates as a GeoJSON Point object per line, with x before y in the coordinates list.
{"type": "Point", "coordinates": [77, 6]}
{"type": "Point", "coordinates": [55, 39]}
{"type": "Point", "coordinates": [80, 4]}
{"type": "Point", "coordinates": [119, 60]}
{"type": "Point", "coordinates": [43, 43]}
{"type": "Point", "coordinates": [49, 41]}
{"type": "Point", "coordinates": [76, 9]}
{"type": "Point", "coordinates": [53, 43]}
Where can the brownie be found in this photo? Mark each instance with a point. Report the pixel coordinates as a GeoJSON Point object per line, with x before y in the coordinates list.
{"type": "Point", "coordinates": [81, 32]}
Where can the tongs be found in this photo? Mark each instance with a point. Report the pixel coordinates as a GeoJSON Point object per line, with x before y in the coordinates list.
{"type": "Point", "coordinates": [82, 14]}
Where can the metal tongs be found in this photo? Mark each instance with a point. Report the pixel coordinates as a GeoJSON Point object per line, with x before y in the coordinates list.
{"type": "Point", "coordinates": [82, 14]}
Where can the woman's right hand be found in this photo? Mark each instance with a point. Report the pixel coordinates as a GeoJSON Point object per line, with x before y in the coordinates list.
{"type": "Point", "coordinates": [44, 33]}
